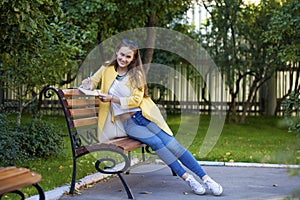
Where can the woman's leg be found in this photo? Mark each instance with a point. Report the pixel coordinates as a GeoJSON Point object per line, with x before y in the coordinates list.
{"type": "Point", "coordinates": [144, 135]}
{"type": "Point", "coordinates": [187, 160]}
{"type": "Point", "coordinates": [178, 150]}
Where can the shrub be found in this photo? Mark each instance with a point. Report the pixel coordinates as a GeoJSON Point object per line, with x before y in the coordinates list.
{"type": "Point", "coordinates": [40, 139]}
{"type": "Point", "coordinates": [10, 149]}
{"type": "Point", "coordinates": [35, 139]}
{"type": "Point", "coordinates": [292, 105]}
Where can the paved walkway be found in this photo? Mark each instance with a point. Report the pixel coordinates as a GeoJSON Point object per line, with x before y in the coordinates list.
{"type": "Point", "coordinates": [155, 181]}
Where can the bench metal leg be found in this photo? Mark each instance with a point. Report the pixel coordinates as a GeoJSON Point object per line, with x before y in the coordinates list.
{"type": "Point", "coordinates": [173, 173]}
{"type": "Point", "coordinates": [16, 192]}
{"type": "Point", "coordinates": [72, 188]}
{"type": "Point", "coordinates": [128, 190]}
{"type": "Point", "coordinates": [40, 190]}
{"type": "Point", "coordinates": [143, 154]}
{"type": "Point", "coordinates": [36, 185]}
{"type": "Point", "coordinates": [129, 158]}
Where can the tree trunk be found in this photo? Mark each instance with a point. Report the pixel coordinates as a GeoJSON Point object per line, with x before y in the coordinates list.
{"type": "Point", "coordinates": [249, 101]}
{"type": "Point", "coordinates": [297, 85]}
{"type": "Point", "coordinates": [271, 97]}
{"type": "Point", "coordinates": [150, 42]}
{"type": "Point", "coordinates": [19, 115]}
{"type": "Point", "coordinates": [1, 94]}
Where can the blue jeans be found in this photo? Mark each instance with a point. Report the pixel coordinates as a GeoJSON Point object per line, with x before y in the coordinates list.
{"type": "Point", "coordinates": [164, 145]}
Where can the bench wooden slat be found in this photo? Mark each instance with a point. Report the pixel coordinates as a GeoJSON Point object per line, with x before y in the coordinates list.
{"type": "Point", "coordinates": [132, 145]}
{"type": "Point", "coordinates": [12, 172]}
{"type": "Point", "coordinates": [85, 122]}
{"type": "Point", "coordinates": [127, 144]}
{"type": "Point", "coordinates": [120, 140]}
{"type": "Point", "coordinates": [124, 142]}
{"type": "Point", "coordinates": [15, 180]}
{"type": "Point", "coordinates": [6, 168]}
{"type": "Point", "coordinates": [19, 182]}
{"type": "Point", "coordinates": [81, 102]}
{"type": "Point", "coordinates": [117, 139]}
{"type": "Point", "coordinates": [82, 112]}
{"type": "Point", "coordinates": [71, 92]}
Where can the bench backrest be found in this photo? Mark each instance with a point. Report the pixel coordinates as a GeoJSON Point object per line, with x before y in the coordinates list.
{"type": "Point", "coordinates": [81, 113]}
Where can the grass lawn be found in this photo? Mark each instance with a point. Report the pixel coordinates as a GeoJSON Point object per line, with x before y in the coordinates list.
{"type": "Point", "coordinates": [260, 139]}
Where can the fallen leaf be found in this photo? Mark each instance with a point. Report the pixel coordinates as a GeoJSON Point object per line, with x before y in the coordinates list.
{"type": "Point", "coordinates": [145, 192]}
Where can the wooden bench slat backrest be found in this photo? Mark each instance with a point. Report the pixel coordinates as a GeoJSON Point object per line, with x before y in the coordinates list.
{"type": "Point", "coordinates": [90, 121]}
{"type": "Point", "coordinates": [81, 112]}
{"type": "Point", "coordinates": [81, 102]}
{"type": "Point", "coordinates": [81, 109]}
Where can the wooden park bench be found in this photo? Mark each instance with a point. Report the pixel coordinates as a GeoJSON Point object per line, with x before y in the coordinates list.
{"type": "Point", "coordinates": [12, 179]}
{"type": "Point", "coordinates": [81, 113]}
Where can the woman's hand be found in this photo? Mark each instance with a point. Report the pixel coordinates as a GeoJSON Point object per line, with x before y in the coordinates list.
{"type": "Point", "coordinates": [109, 98]}
{"type": "Point", "coordinates": [87, 83]}
{"type": "Point", "coordinates": [105, 97]}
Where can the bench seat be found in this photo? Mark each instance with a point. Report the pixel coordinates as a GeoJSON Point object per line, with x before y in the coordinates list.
{"type": "Point", "coordinates": [124, 144]}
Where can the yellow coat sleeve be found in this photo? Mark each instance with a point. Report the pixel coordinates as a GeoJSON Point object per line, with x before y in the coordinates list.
{"type": "Point", "coordinates": [103, 79]}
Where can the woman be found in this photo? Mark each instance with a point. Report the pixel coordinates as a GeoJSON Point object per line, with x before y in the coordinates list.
{"type": "Point", "coordinates": [124, 83]}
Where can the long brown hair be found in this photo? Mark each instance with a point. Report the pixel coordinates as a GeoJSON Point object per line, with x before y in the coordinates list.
{"type": "Point", "coordinates": [135, 68]}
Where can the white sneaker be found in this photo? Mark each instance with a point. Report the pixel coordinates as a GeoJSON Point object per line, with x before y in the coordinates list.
{"type": "Point", "coordinates": [195, 185]}
{"type": "Point", "coordinates": [215, 187]}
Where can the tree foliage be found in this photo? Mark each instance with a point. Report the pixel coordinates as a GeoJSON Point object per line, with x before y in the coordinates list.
{"type": "Point", "coordinates": [104, 18]}
{"type": "Point", "coordinates": [283, 33]}
{"type": "Point", "coordinates": [34, 51]}
{"type": "Point", "coordinates": [234, 38]}
{"type": "Point", "coordinates": [43, 42]}
{"type": "Point", "coordinates": [283, 37]}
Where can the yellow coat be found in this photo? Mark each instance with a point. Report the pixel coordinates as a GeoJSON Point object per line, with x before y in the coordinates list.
{"type": "Point", "coordinates": [104, 77]}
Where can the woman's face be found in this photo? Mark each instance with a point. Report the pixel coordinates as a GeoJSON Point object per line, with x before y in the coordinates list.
{"type": "Point", "coordinates": [124, 56]}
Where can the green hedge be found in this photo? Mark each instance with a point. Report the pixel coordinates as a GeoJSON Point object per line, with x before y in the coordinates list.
{"type": "Point", "coordinates": [35, 139]}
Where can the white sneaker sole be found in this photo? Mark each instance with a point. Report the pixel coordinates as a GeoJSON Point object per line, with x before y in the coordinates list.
{"type": "Point", "coordinates": [219, 192]}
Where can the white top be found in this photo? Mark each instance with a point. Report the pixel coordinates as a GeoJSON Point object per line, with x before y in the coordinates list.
{"type": "Point", "coordinates": [120, 89]}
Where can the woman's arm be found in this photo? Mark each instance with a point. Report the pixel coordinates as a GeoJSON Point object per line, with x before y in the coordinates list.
{"type": "Point", "coordinates": [110, 98]}
{"type": "Point", "coordinates": [133, 101]}
{"type": "Point", "coordinates": [91, 83]}
{"type": "Point", "coordinates": [96, 78]}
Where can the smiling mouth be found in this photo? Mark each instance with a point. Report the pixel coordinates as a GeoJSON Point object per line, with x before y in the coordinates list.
{"type": "Point", "coordinates": [122, 63]}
